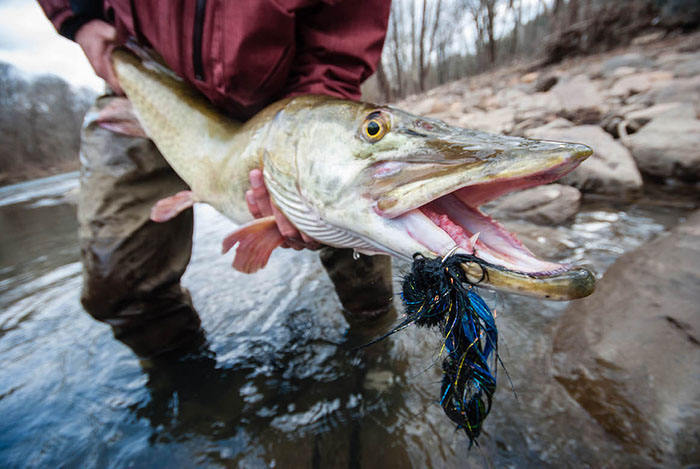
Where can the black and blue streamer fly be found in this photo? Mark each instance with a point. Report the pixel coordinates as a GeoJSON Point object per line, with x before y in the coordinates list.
{"type": "Point", "coordinates": [438, 293]}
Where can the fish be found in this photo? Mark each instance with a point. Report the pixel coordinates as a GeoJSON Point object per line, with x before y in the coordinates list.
{"type": "Point", "coordinates": [373, 178]}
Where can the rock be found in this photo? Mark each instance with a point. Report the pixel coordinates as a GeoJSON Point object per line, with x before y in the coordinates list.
{"type": "Point", "coordinates": [625, 60]}
{"type": "Point", "coordinates": [689, 67]}
{"type": "Point", "coordinates": [545, 242]}
{"type": "Point", "coordinates": [578, 93]}
{"type": "Point", "coordinates": [476, 98]}
{"type": "Point", "coordinates": [668, 148]}
{"type": "Point", "coordinates": [611, 169]}
{"type": "Point", "coordinates": [430, 105]}
{"type": "Point", "coordinates": [638, 118]}
{"type": "Point", "coordinates": [529, 77]}
{"type": "Point", "coordinates": [534, 104]}
{"type": "Point", "coordinates": [545, 83]}
{"type": "Point", "coordinates": [497, 121]}
{"type": "Point", "coordinates": [640, 82]}
{"type": "Point", "coordinates": [648, 38]}
{"type": "Point", "coordinates": [623, 72]}
{"type": "Point", "coordinates": [507, 96]}
{"type": "Point", "coordinates": [630, 353]}
{"type": "Point", "coordinates": [552, 204]}
{"type": "Point", "coordinates": [679, 90]}
{"type": "Point", "coordinates": [558, 123]}
{"type": "Point", "coordinates": [526, 122]}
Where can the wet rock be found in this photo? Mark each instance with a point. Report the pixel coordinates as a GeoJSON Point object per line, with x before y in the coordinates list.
{"type": "Point", "coordinates": [552, 204]}
{"type": "Point", "coordinates": [546, 242]}
{"type": "Point", "coordinates": [578, 93]}
{"type": "Point", "coordinates": [668, 148]}
{"type": "Point", "coordinates": [625, 60]}
{"type": "Point", "coordinates": [611, 169]}
{"type": "Point", "coordinates": [630, 353]}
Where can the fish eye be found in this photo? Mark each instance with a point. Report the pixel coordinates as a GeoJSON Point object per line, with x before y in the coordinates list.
{"type": "Point", "coordinates": [375, 126]}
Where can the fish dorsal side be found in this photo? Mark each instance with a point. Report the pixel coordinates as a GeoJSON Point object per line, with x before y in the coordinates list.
{"type": "Point", "coordinates": [191, 134]}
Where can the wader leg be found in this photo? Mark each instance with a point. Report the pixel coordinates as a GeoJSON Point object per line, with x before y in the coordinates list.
{"type": "Point", "coordinates": [132, 266]}
{"type": "Point", "coordinates": [363, 285]}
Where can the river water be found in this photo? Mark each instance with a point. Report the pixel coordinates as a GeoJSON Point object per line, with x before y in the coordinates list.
{"type": "Point", "coordinates": [282, 386]}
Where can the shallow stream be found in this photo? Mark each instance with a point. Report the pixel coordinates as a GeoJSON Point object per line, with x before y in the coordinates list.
{"type": "Point", "coordinates": [282, 386]}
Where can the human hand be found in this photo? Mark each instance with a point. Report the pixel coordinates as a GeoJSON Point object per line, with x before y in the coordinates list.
{"type": "Point", "coordinates": [258, 200]}
{"type": "Point", "coordinates": [98, 39]}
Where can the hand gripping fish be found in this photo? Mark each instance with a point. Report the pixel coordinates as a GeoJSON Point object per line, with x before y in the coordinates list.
{"type": "Point", "coordinates": [353, 175]}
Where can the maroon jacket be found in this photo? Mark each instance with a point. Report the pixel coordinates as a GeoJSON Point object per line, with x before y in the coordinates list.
{"type": "Point", "coordinates": [245, 54]}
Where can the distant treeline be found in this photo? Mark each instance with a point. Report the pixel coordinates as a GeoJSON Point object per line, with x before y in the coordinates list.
{"type": "Point", "coordinates": [39, 124]}
{"type": "Point", "coordinates": [430, 42]}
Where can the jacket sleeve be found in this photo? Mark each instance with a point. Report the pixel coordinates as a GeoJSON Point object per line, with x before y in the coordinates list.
{"type": "Point", "coordinates": [339, 46]}
{"type": "Point", "coordinates": [68, 16]}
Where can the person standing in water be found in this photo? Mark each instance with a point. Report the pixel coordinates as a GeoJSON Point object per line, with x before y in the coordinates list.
{"type": "Point", "coordinates": [242, 56]}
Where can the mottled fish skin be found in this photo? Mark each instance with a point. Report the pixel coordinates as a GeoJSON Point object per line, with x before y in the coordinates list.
{"type": "Point", "coordinates": [209, 151]}
{"type": "Point", "coordinates": [347, 188]}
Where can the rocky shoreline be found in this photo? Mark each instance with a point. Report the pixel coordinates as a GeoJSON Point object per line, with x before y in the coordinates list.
{"type": "Point", "coordinates": [629, 355]}
{"type": "Point", "coordinates": [637, 107]}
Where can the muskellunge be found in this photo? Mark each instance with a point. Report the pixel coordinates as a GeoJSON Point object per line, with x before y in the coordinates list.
{"type": "Point", "coordinates": [353, 175]}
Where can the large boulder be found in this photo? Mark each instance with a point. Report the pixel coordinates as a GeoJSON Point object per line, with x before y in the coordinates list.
{"type": "Point", "coordinates": [668, 147]}
{"type": "Point", "coordinates": [630, 353]}
{"type": "Point", "coordinates": [611, 169]}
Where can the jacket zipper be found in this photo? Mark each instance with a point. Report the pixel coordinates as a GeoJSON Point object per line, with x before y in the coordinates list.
{"type": "Point", "coordinates": [197, 40]}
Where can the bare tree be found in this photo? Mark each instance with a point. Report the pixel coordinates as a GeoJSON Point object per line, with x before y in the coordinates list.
{"type": "Point", "coordinates": [516, 7]}
{"type": "Point", "coordinates": [421, 46]}
{"type": "Point", "coordinates": [490, 6]}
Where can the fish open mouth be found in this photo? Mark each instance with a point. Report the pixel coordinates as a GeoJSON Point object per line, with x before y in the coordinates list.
{"type": "Point", "coordinates": [457, 215]}
{"type": "Point", "coordinates": [475, 233]}
{"type": "Point", "coordinates": [454, 223]}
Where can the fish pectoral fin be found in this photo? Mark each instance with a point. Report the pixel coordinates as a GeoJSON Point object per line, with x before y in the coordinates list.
{"type": "Point", "coordinates": [170, 207]}
{"type": "Point", "coordinates": [119, 117]}
{"type": "Point", "coordinates": [257, 241]}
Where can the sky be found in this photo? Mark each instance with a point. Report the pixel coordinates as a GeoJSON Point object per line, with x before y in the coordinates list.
{"type": "Point", "coordinates": [29, 41]}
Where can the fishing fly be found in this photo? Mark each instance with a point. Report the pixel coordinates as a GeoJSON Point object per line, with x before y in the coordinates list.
{"type": "Point", "coordinates": [437, 293]}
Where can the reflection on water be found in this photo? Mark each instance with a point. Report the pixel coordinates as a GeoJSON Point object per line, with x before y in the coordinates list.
{"type": "Point", "coordinates": [282, 384]}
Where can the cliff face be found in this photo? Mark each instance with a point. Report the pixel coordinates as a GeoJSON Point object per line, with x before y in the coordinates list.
{"type": "Point", "coordinates": [40, 119]}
